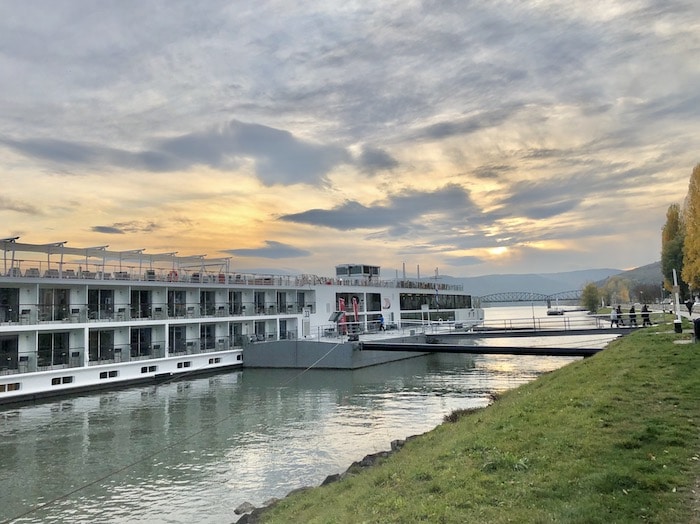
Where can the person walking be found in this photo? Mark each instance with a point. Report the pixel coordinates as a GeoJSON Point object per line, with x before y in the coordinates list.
{"type": "Point", "coordinates": [613, 318]}
{"type": "Point", "coordinates": [645, 316]}
{"type": "Point", "coordinates": [620, 321]}
{"type": "Point", "coordinates": [633, 317]}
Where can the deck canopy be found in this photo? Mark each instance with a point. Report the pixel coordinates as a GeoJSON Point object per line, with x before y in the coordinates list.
{"type": "Point", "coordinates": [59, 253]}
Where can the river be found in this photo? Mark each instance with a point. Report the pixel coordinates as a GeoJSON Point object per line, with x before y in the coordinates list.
{"type": "Point", "coordinates": [192, 451]}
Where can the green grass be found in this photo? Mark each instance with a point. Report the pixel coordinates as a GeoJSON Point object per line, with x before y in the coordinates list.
{"type": "Point", "coordinates": [612, 438]}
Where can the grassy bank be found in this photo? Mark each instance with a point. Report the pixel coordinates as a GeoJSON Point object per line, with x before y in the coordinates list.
{"type": "Point", "coordinates": [613, 438]}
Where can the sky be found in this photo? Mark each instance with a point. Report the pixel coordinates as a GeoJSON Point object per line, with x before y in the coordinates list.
{"type": "Point", "coordinates": [464, 137]}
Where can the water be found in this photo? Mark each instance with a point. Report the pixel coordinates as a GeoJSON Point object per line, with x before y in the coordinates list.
{"type": "Point", "coordinates": [192, 451]}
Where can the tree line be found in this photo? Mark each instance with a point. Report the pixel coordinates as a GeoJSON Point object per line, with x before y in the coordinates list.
{"type": "Point", "coordinates": [680, 250]}
{"type": "Point", "coordinates": [680, 241]}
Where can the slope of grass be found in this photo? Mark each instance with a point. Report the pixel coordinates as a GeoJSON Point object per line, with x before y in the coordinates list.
{"type": "Point", "coordinates": [613, 438]}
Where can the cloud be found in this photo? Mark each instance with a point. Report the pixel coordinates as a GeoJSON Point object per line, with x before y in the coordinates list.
{"type": "Point", "coordinates": [374, 159]}
{"type": "Point", "coordinates": [121, 228]}
{"type": "Point", "coordinates": [466, 126]}
{"type": "Point", "coordinates": [108, 230]}
{"type": "Point", "coordinates": [271, 249]}
{"type": "Point", "coordinates": [401, 212]}
{"type": "Point", "coordinates": [278, 156]}
{"type": "Point", "coordinates": [8, 204]}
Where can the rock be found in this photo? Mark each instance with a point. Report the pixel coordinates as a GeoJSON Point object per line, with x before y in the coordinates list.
{"type": "Point", "coordinates": [246, 507]}
{"type": "Point", "coordinates": [330, 479]}
{"type": "Point", "coordinates": [371, 460]}
{"type": "Point", "coordinates": [397, 444]}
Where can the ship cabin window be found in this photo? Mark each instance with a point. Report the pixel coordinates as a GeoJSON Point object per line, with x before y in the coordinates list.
{"type": "Point", "coordinates": [52, 349]}
{"type": "Point", "coordinates": [140, 303]}
{"type": "Point", "coordinates": [109, 374]}
{"type": "Point", "coordinates": [9, 304]}
{"type": "Point", "coordinates": [101, 345]}
{"type": "Point", "coordinates": [185, 364]}
{"type": "Point", "coordinates": [12, 386]}
{"type": "Point", "coordinates": [207, 303]}
{"type": "Point", "coordinates": [177, 300]}
{"type": "Point", "coordinates": [101, 303]}
{"type": "Point", "coordinates": [8, 352]}
{"type": "Point", "coordinates": [259, 302]}
{"type": "Point", "coordinates": [206, 336]}
{"type": "Point", "coordinates": [177, 339]}
{"type": "Point", "coordinates": [301, 300]}
{"type": "Point", "coordinates": [216, 360]}
{"type": "Point", "coordinates": [61, 380]}
{"type": "Point", "coordinates": [53, 304]}
{"type": "Point", "coordinates": [235, 302]}
{"type": "Point", "coordinates": [141, 342]}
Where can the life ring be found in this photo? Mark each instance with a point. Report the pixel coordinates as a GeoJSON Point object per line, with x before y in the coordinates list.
{"type": "Point", "coordinates": [172, 276]}
{"type": "Point", "coordinates": [387, 303]}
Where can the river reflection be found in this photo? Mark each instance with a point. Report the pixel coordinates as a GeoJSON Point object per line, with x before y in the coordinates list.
{"type": "Point", "coordinates": [192, 451]}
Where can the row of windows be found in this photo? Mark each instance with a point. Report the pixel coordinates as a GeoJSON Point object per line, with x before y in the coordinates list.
{"type": "Point", "coordinates": [62, 380]}
{"type": "Point", "coordinates": [56, 381]}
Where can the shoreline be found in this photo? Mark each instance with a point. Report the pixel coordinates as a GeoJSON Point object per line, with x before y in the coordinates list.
{"type": "Point", "coordinates": [614, 406]}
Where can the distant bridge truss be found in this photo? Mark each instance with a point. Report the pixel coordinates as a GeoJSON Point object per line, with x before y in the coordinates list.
{"type": "Point", "coordinates": [528, 296]}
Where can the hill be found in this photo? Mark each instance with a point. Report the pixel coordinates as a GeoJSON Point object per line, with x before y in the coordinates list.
{"type": "Point", "coordinates": [643, 275]}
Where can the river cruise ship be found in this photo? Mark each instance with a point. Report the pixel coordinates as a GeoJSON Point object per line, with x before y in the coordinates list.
{"type": "Point", "coordinates": [74, 319]}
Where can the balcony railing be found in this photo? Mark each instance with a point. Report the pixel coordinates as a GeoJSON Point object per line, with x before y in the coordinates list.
{"type": "Point", "coordinates": [30, 314]}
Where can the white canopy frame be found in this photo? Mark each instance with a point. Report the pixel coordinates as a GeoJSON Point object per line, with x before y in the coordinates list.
{"type": "Point", "coordinates": [11, 246]}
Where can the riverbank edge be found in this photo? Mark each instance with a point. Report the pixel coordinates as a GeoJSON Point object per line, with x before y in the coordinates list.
{"type": "Point", "coordinates": [653, 348]}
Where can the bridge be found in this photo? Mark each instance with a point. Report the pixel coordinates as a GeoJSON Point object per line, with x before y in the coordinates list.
{"type": "Point", "coordinates": [529, 296]}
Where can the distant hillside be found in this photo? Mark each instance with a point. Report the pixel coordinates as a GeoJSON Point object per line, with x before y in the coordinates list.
{"type": "Point", "coordinates": [643, 275]}
{"type": "Point", "coordinates": [547, 283]}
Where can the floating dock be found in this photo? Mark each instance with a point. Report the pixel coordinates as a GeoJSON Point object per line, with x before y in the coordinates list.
{"type": "Point", "coordinates": [478, 350]}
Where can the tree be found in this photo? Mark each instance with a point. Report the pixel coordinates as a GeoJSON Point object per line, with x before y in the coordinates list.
{"type": "Point", "coordinates": [616, 290]}
{"type": "Point", "coordinates": [691, 218]}
{"type": "Point", "coordinates": [590, 297]}
{"type": "Point", "coordinates": [672, 241]}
